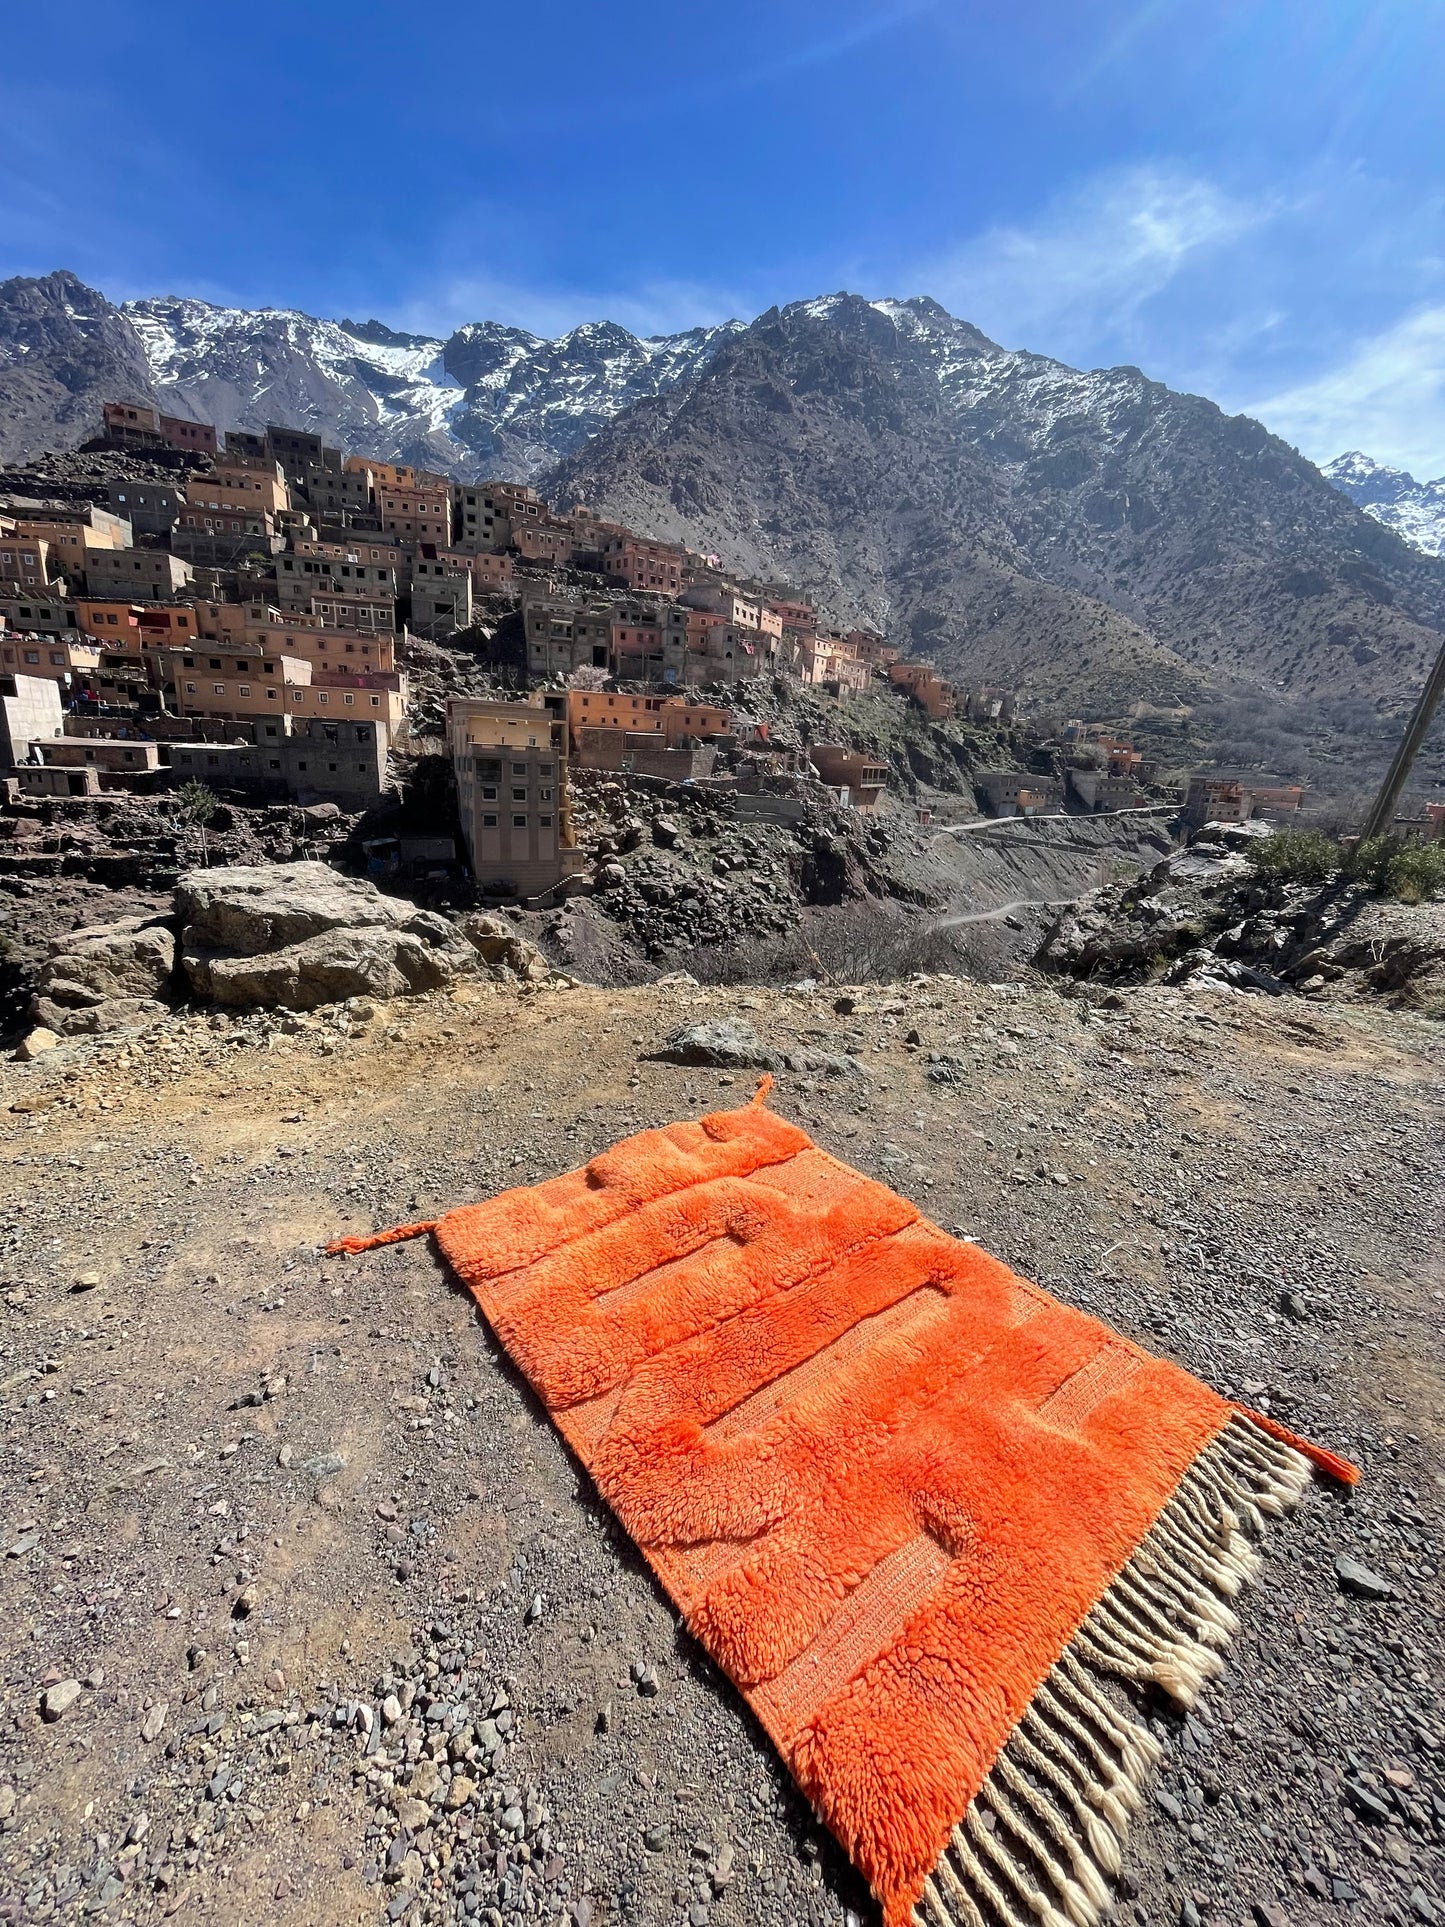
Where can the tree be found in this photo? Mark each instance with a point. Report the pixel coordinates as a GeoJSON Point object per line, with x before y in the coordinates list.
{"type": "Point", "coordinates": [198, 804]}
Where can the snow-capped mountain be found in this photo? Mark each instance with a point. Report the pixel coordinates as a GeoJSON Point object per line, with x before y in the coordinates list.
{"type": "Point", "coordinates": [1414, 510]}
{"type": "Point", "coordinates": [490, 400]}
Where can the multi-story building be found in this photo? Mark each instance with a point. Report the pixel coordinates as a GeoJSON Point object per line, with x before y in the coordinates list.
{"type": "Point", "coordinates": [563, 635]}
{"type": "Point", "coordinates": [922, 682]}
{"type": "Point", "coordinates": [672, 720]}
{"type": "Point", "coordinates": [130, 626]}
{"type": "Point", "coordinates": [320, 569]}
{"type": "Point", "coordinates": [510, 761]}
{"type": "Point", "coordinates": [636, 563]}
{"type": "Point", "coordinates": [151, 508]}
{"type": "Point", "coordinates": [242, 486]}
{"type": "Point", "coordinates": [1015, 792]}
{"type": "Point", "coordinates": [859, 780]}
{"type": "Point", "coordinates": [64, 657]}
{"type": "Point", "coordinates": [30, 712]}
{"type": "Point", "coordinates": [725, 654]}
{"type": "Point", "coordinates": [78, 537]}
{"type": "Point", "coordinates": [141, 427]}
{"type": "Point", "coordinates": [44, 615]}
{"type": "Point", "coordinates": [1235, 799]}
{"type": "Point", "coordinates": [25, 564]}
{"type": "Point", "coordinates": [137, 575]}
{"type": "Point", "coordinates": [485, 513]}
{"type": "Point", "coordinates": [650, 644]}
{"type": "Point", "coordinates": [441, 598]}
{"type": "Point", "coordinates": [421, 514]}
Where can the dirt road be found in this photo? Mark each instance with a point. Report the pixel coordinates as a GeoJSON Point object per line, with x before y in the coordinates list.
{"type": "Point", "coordinates": [282, 1498]}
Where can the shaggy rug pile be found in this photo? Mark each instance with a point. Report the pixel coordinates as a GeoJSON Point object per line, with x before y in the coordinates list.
{"type": "Point", "coordinates": [918, 1510]}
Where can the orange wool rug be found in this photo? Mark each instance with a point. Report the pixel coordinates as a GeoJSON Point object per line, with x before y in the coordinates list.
{"type": "Point", "coordinates": [918, 1510]}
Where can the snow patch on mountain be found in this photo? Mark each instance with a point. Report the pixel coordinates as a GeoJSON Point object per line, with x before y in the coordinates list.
{"type": "Point", "coordinates": [489, 400]}
{"type": "Point", "coordinates": [1414, 510]}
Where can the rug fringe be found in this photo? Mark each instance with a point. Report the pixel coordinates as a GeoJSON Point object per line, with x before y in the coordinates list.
{"type": "Point", "coordinates": [1043, 1838]}
{"type": "Point", "coordinates": [398, 1234]}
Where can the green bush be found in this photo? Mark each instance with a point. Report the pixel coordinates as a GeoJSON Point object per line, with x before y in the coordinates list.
{"type": "Point", "coordinates": [1415, 873]}
{"type": "Point", "coordinates": [1298, 856]}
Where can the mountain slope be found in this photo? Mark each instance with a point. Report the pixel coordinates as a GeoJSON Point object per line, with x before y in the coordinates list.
{"type": "Point", "coordinates": [1082, 534]}
{"type": "Point", "coordinates": [64, 349]}
{"type": "Point", "coordinates": [1414, 510]}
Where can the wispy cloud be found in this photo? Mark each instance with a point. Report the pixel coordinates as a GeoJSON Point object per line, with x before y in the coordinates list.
{"type": "Point", "coordinates": [1386, 396]}
{"type": "Point", "coordinates": [1075, 280]}
{"type": "Point", "coordinates": [835, 46]}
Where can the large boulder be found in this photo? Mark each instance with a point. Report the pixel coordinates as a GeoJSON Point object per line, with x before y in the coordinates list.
{"type": "Point", "coordinates": [251, 909]}
{"type": "Point", "coordinates": [106, 977]}
{"type": "Point", "coordinates": [295, 935]}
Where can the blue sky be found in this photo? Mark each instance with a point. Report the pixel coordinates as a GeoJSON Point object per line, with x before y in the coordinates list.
{"type": "Point", "coordinates": [1244, 197]}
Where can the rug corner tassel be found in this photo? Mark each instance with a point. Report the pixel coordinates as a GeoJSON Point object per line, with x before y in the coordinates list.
{"type": "Point", "coordinates": [398, 1234]}
{"type": "Point", "coordinates": [760, 1095]}
{"type": "Point", "coordinates": [1318, 1455]}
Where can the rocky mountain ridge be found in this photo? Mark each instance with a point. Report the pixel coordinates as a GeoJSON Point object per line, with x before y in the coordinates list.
{"type": "Point", "coordinates": [1414, 510]}
{"type": "Point", "coordinates": [488, 400]}
{"type": "Point", "coordinates": [1095, 538]}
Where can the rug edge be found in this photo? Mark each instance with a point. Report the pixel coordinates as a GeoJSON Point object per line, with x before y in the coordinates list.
{"type": "Point", "coordinates": [1042, 1839]}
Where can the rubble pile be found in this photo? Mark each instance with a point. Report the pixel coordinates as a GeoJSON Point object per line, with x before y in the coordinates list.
{"type": "Point", "coordinates": [679, 865]}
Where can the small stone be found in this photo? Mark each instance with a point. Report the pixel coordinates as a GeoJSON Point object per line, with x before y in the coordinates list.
{"type": "Point", "coordinates": [512, 1820]}
{"type": "Point", "coordinates": [1423, 1907]}
{"type": "Point", "coordinates": [1359, 1580]}
{"type": "Point", "coordinates": [604, 1717]}
{"type": "Point", "coordinates": [154, 1722]}
{"type": "Point", "coordinates": [722, 1869]}
{"type": "Point", "coordinates": [412, 1813]}
{"type": "Point", "coordinates": [35, 1043]}
{"type": "Point", "coordinates": [87, 1281]}
{"type": "Point", "coordinates": [656, 1837]}
{"type": "Point", "coordinates": [283, 1457]}
{"type": "Point", "coordinates": [459, 1792]}
{"type": "Point", "coordinates": [247, 1600]}
{"type": "Point", "coordinates": [647, 1682]}
{"type": "Point", "coordinates": [58, 1700]}
{"type": "Point", "coordinates": [535, 1610]}
{"type": "Point", "coordinates": [391, 1709]}
{"type": "Point", "coordinates": [1267, 1913]}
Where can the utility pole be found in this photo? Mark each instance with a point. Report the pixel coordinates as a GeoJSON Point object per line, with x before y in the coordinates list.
{"type": "Point", "coordinates": [1383, 810]}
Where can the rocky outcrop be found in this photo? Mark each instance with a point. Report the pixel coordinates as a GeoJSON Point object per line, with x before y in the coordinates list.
{"type": "Point", "coordinates": [106, 977]}
{"type": "Point", "coordinates": [297, 935]}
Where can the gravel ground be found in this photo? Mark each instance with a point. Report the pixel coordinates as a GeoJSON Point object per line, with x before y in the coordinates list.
{"type": "Point", "coordinates": [308, 1615]}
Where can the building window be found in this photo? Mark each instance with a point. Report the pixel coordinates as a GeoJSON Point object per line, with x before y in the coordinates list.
{"type": "Point", "coordinates": [489, 822]}
{"type": "Point", "coordinates": [489, 792]}
{"type": "Point", "coordinates": [519, 822]}
{"type": "Point", "coordinates": [519, 796]}
{"type": "Point", "coordinates": [244, 689]}
{"type": "Point", "coordinates": [545, 821]}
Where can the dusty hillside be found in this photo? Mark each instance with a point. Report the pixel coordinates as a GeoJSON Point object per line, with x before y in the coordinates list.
{"type": "Point", "coordinates": [298, 1533]}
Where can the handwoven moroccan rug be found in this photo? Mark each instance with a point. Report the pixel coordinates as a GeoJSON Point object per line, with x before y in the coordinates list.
{"type": "Point", "coordinates": [918, 1510]}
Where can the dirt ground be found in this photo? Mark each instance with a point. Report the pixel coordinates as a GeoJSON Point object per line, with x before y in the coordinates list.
{"type": "Point", "coordinates": [273, 1494]}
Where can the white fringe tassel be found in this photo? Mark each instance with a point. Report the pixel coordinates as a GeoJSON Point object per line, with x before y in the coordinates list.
{"type": "Point", "coordinates": [1044, 1835]}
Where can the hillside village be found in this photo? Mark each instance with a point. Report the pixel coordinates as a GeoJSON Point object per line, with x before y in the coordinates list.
{"type": "Point", "coordinates": [279, 621]}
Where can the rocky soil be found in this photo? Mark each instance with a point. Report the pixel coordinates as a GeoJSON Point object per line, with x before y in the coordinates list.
{"type": "Point", "coordinates": [308, 1616]}
{"type": "Point", "coordinates": [1206, 913]}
